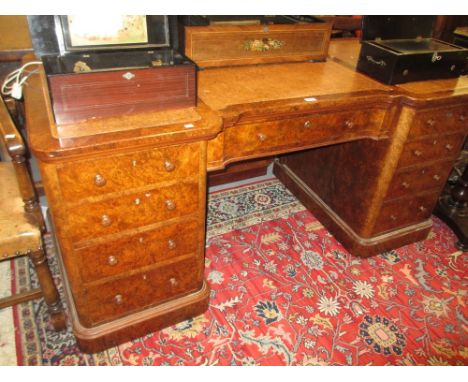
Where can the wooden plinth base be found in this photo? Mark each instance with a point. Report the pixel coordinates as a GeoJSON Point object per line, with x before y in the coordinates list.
{"type": "Point", "coordinates": [91, 340]}
{"type": "Point", "coordinates": [354, 243]}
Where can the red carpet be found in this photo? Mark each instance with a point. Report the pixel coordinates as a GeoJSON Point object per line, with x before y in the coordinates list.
{"type": "Point", "coordinates": [285, 292]}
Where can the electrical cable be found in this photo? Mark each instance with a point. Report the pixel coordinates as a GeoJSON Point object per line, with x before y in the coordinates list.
{"type": "Point", "coordinates": [14, 81]}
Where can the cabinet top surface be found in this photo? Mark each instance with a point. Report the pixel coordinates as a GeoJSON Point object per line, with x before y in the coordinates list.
{"type": "Point", "coordinates": [224, 87]}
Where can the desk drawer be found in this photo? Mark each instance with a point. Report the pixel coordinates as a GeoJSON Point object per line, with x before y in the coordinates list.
{"type": "Point", "coordinates": [143, 249]}
{"type": "Point", "coordinates": [405, 211]}
{"type": "Point", "coordinates": [440, 121]}
{"type": "Point", "coordinates": [262, 138]}
{"type": "Point", "coordinates": [131, 211]}
{"type": "Point", "coordinates": [430, 149]}
{"type": "Point", "coordinates": [413, 180]}
{"type": "Point", "coordinates": [82, 179]}
{"type": "Point", "coordinates": [124, 296]}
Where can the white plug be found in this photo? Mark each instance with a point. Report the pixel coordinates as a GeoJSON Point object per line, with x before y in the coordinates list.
{"type": "Point", "coordinates": [17, 91]}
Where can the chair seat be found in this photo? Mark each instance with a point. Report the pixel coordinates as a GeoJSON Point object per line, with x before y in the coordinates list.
{"type": "Point", "coordinates": [17, 232]}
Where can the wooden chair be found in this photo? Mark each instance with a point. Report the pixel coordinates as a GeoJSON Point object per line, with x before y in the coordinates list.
{"type": "Point", "coordinates": [21, 221]}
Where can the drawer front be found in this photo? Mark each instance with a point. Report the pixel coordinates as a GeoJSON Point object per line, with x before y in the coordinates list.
{"type": "Point", "coordinates": [413, 180]}
{"type": "Point", "coordinates": [262, 138]}
{"type": "Point", "coordinates": [82, 179]}
{"type": "Point", "coordinates": [440, 121]}
{"type": "Point", "coordinates": [241, 45]}
{"type": "Point", "coordinates": [145, 249]}
{"type": "Point", "coordinates": [405, 211]}
{"type": "Point", "coordinates": [430, 149]}
{"type": "Point", "coordinates": [124, 296]}
{"type": "Point", "coordinates": [131, 211]}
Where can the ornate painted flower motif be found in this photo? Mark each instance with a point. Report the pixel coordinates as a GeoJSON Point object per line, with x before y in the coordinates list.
{"type": "Point", "coordinates": [382, 335]}
{"type": "Point", "coordinates": [437, 306]}
{"type": "Point", "coordinates": [329, 306]}
{"type": "Point", "coordinates": [363, 289]}
{"type": "Point", "coordinates": [268, 311]}
{"type": "Point", "coordinates": [262, 199]}
{"type": "Point", "coordinates": [189, 328]}
{"type": "Point", "coordinates": [312, 259]}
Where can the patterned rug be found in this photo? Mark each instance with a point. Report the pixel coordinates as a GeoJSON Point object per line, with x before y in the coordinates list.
{"type": "Point", "coordinates": [285, 292]}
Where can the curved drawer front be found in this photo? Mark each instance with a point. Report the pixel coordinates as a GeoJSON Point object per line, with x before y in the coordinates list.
{"type": "Point", "coordinates": [440, 121]}
{"type": "Point", "coordinates": [143, 249]}
{"type": "Point", "coordinates": [131, 211]}
{"type": "Point", "coordinates": [413, 180]}
{"type": "Point", "coordinates": [127, 295]}
{"type": "Point", "coordinates": [430, 149]}
{"type": "Point", "coordinates": [405, 211]}
{"type": "Point", "coordinates": [81, 179]}
{"type": "Point", "coordinates": [261, 138]}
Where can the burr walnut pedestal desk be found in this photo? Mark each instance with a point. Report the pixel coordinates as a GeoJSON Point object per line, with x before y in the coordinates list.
{"type": "Point", "coordinates": [127, 194]}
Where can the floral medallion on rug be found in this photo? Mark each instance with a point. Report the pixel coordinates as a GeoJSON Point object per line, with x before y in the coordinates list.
{"type": "Point", "coordinates": [285, 292]}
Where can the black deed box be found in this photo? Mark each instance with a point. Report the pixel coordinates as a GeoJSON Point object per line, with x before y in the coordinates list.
{"type": "Point", "coordinates": [397, 49]}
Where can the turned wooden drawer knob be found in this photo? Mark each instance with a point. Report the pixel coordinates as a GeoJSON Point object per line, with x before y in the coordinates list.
{"type": "Point", "coordinates": [417, 153]}
{"type": "Point", "coordinates": [118, 299]}
{"type": "Point", "coordinates": [405, 185]}
{"type": "Point", "coordinates": [349, 124]}
{"type": "Point", "coordinates": [99, 180]}
{"type": "Point", "coordinates": [448, 146]}
{"type": "Point", "coordinates": [430, 122]}
{"type": "Point", "coordinates": [106, 221]}
{"type": "Point", "coordinates": [173, 281]}
{"type": "Point", "coordinates": [112, 260]}
{"type": "Point", "coordinates": [169, 166]}
{"type": "Point", "coordinates": [422, 209]}
{"type": "Point", "coordinates": [170, 204]}
{"type": "Point", "coordinates": [261, 137]}
{"type": "Point", "coordinates": [171, 244]}
{"type": "Point", "coordinates": [307, 124]}
{"type": "Point", "coordinates": [462, 117]}
{"type": "Point", "coordinates": [393, 217]}
{"type": "Point", "coordinates": [436, 177]}
{"type": "Point", "coordinates": [137, 201]}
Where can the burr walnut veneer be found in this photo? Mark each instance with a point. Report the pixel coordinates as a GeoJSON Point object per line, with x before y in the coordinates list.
{"type": "Point", "coordinates": [127, 195]}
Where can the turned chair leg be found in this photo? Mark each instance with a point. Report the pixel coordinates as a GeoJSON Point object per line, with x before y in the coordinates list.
{"type": "Point", "coordinates": [49, 289]}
